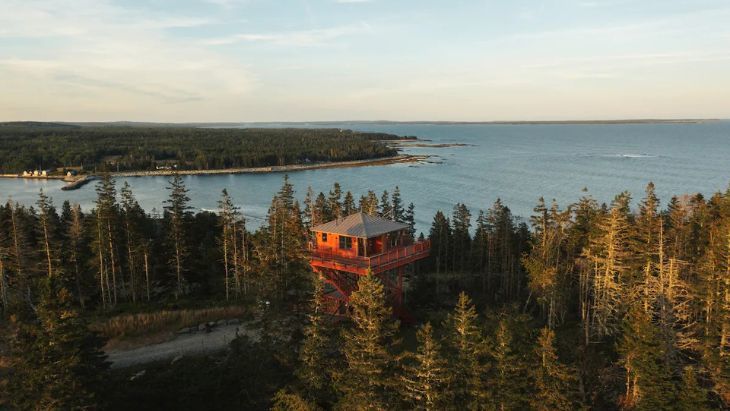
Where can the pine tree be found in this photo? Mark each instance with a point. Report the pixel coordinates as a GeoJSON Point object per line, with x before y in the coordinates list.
{"type": "Point", "coordinates": [177, 210]}
{"type": "Point", "coordinates": [553, 381]}
{"type": "Point", "coordinates": [397, 206]}
{"type": "Point", "coordinates": [608, 255]}
{"type": "Point", "coordinates": [57, 362]}
{"type": "Point", "coordinates": [285, 400]}
{"type": "Point", "coordinates": [309, 217]}
{"type": "Point", "coordinates": [691, 395]}
{"type": "Point", "coordinates": [426, 379]}
{"type": "Point", "coordinates": [479, 250]}
{"type": "Point", "coordinates": [228, 218]}
{"type": "Point", "coordinates": [365, 381]}
{"type": "Point", "coordinates": [369, 203]}
{"type": "Point", "coordinates": [105, 239]}
{"type": "Point", "coordinates": [461, 239]}
{"type": "Point", "coordinates": [386, 207]}
{"type": "Point", "coordinates": [75, 236]}
{"type": "Point", "coordinates": [133, 215]}
{"type": "Point", "coordinates": [322, 211]}
{"type": "Point", "coordinates": [281, 249]}
{"type": "Point", "coordinates": [648, 382]}
{"type": "Point", "coordinates": [348, 205]}
{"type": "Point", "coordinates": [440, 236]}
{"type": "Point", "coordinates": [335, 201]}
{"type": "Point", "coordinates": [313, 355]}
{"type": "Point", "coordinates": [410, 219]}
{"type": "Point", "coordinates": [506, 386]}
{"type": "Point", "coordinates": [465, 344]}
{"type": "Point", "coordinates": [48, 223]}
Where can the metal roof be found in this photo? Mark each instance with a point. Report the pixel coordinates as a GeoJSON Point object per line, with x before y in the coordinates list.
{"type": "Point", "coordinates": [360, 225]}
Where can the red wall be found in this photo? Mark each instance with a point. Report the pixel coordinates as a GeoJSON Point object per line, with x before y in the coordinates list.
{"type": "Point", "coordinates": [333, 245]}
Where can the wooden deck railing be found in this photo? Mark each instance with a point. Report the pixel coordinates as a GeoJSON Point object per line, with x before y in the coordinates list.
{"type": "Point", "coordinates": [390, 258]}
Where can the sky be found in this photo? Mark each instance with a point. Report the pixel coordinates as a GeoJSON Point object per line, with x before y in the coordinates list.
{"type": "Point", "coordinates": [318, 60]}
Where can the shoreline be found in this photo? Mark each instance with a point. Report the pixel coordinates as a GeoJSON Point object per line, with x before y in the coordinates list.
{"type": "Point", "coordinates": [381, 161]}
{"type": "Point", "coordinates": [80, 181]}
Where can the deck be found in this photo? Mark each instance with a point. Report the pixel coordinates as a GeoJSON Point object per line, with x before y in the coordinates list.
{"type": "Point", "coordinates": [377, 263]}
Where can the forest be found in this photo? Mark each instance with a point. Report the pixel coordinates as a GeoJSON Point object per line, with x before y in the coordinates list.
{"type": "Point", "coordinates": [589, 306]}
{"type": "Point", "coordinates": [99, 148]}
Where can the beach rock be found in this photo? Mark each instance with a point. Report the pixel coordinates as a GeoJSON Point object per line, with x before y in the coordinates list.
{"type": "Point", "coordinates": [202, 327]}
{"type": "Point", "coordinates": [234, 321]}
{"type": "Point", "coordinates": [176, 359]}
{"type": "Point", "coordinates": [185, 330]}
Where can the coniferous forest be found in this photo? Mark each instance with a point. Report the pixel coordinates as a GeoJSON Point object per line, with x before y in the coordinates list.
{"type": "Point", "coordinates": [624, 305]}
{"type": "Point", "coordinates": [32, 146]}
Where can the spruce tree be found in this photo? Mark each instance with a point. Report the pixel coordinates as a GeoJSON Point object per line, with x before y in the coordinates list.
{"type": "Point", "coordinates": [367, 379]}
{"type": "Point", "coordinates": [506, 385]}
{"type": "Point", "coordinates": [397, 206]}
{"type": "Point", "coordinates": [281, 245]}
{"type": "Point", "coordinates": [56, 362]}
{"type": "Point", "coordinates": [426, 378]}
{"type": "Point", "coordinates": [133, 217]}
{"type": "Point", "coordinates": [105, 239]}
{"type": "Point", "coordinates": [649, 380]}
{"type": "Point", "coordinates": [691, 395]}
{"type": "Point", "coordinates": [322, 212]}
{"type": "Point", "coordinates": [553, 381]}
{"type": "Point", "coordinates": [441, 238]}
{"type": "Point", "coordinates": [177, 210]}
{"type": "Point", "coordinates": [335, 201]}
{"type": "Point", "coordinates": [228, 218]}
{"type": "Point", "coordinates": [285, 400]}
{"type": "Point", "coordinates": [348, 205]}
{"type": "Point", "coordinates": [314, 352]}
{"type": "Point", "coordinates": [386, 207]}
{"type": "Point", "coordinates": [461, 239]}
{"type": "Point", "coordinates": [465, 345]}
{"type": "Point", "coordinates": [48, 225]}
{"type": "Point", "coordinates": [410, 219]}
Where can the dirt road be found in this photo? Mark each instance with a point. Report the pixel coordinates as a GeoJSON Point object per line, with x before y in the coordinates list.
{"type": "Point", "coordinates": [185, 344]}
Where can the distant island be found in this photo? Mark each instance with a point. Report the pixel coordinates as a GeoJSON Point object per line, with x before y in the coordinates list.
{"type": "Point", "coordinates": [65, 150]}
{"type": "Point", "coordinates": [435, 122]}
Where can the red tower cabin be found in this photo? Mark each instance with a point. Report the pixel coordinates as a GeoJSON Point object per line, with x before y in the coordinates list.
{"type": "Point", "coordinates": [349, 247]}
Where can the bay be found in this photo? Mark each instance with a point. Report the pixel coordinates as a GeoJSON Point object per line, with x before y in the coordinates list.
{"type": "Point", "coordinates": [517, 163]}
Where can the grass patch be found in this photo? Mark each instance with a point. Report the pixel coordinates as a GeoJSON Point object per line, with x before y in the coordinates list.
{"type": "Point", "coordinates": [126, 330]}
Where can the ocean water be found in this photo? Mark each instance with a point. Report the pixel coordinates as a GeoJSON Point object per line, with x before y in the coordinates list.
{"type": "Point", "coordinates": [516, 163]}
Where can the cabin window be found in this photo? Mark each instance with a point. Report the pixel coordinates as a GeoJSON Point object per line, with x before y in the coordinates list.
{"type": "Point", "coordinates": [345, 243]}
{"type": "Point", "coordinates": [324, 237]}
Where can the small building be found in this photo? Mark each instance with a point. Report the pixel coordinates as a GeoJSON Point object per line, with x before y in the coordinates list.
{"type": "Point", "coordinates": [359, 244]}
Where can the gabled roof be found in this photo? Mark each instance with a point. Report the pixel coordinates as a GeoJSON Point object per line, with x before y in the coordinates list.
{"type": "Point", "coordinates": [360, 225]}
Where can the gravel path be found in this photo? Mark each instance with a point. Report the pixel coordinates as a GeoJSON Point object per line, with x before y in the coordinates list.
{"type": "Point", "coordinates": [185, 344]}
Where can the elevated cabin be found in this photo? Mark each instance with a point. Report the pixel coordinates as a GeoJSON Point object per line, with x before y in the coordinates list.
{"type": "Point", "coordinates": [347, 248]}
{"type": "Point", "coordinates": [360, 242]}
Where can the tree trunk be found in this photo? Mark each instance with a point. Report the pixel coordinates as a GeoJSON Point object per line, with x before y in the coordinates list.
{"type": "Point", "coordinates": [100, 239]}
{"type": "Point", "coordinates": [112, 262]}
{"type": "Point", "coordinates": [147, 272]}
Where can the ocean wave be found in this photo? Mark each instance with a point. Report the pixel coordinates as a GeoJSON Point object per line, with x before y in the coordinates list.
{"type": "Point", "coordinates": [623, 155]}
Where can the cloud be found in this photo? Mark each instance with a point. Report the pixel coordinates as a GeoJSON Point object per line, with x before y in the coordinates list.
{"type": "Point", "coordinates": [96, 56]}
{"type": "Point", "coordinates": [315, 37]}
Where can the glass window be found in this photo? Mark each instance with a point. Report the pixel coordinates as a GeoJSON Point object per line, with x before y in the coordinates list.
{"type": "Point", "coordinates": [345, 243]}
{"type": "Point", "coordinates": [324, 237]}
